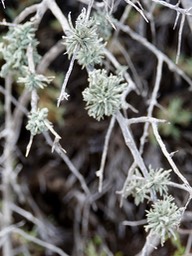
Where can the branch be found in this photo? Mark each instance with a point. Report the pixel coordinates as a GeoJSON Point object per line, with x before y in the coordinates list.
{"type": "Point", "coordinates": [8, 167]}
{"type": "Point", "coordinates": [63, 94]}
{"type": "Point", "coordinates": [51, 4]}
{"type": "Point", "coordinates": [150, 245]}
{"type": "Point", "coordinates": [168, 156]}
{"type": "Point", "coordinates": [134, 223]}
{"type": "Point", "coordinates": [187, 4]}
{"type": "Point", "coordinates": [144, 119]}
{"type": "Point", "coordinates": [180, 37]}
{"type": "Point", "coordinates": [175, 7]}
{"type": "Point", "coordinates": [136, 8]}
{"type": "Point", "coordinates": [28, 11]}
{"type": "Point", "coordinates": [153, 102]}
{"type": "Point", "coordinates": [100, 172]}
{"type": "Point", "coordinates": [155, 51]}
{"type": "Point", "coordinates": [129, 141]}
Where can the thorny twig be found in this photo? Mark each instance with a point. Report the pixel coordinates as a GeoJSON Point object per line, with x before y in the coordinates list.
{"type": "Point", "coordinates": [153, 102]}
{"type": "Point", "coordinates": [138, 9]}
{"type": "Point", "coordinates": [187, 4]}
{"type": "Point", "coordinates": [184, 13]}
{"type": "Point", "coordinates": [129, 141]}
{"type": "Point", "coordinates": [168, 156]}
{"type": "Point", "coordinates": [63, 94]}
{"type": "Point", "coordinates": [174, 7]}
{"type": "Point", "coordinates": [155, 51]}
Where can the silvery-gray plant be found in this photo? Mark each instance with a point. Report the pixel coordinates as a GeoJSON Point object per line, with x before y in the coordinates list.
{"type": "Point", "coordinates": [103, 96]}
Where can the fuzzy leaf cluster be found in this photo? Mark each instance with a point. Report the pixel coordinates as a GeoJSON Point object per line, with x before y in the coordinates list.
{"type": "Point", "coordinates": [104, 28]}
{"type": "Point", "coordinates": [140, 187]}
{"type": "Point", "coordinates": [83, 40]}
{"type": "Point", "coordinates": [33, 80]}
{"type": "Point", "coordinates": [103, 96]}
{"type": "Point", "coordinates": [164, 218]}
{"type": "Point", "coordinates": [37, 121]}
{"type": "Point", "coordinates": [14, 47]}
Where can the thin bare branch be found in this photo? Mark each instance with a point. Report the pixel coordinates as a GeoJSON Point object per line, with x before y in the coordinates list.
{"type": "Point", "coordinates": [150, 245]}
{"type": "Point", "coordinates": [26, 12]}
{"type": "Point", "coordinates": [51, 4]}
{"type": "Point", "coordinates": [129, 141]}
{"type": "Point", "coordinates": [180, 37]}
{"type": "Point", "coordinates": [8, 168]}
{"type": "Point", "coordinates": [168, 156]}
{"type": "Point", "coordinates": [175, 7]}
{"type": "Point", "coordinates": [134, 223]}
{"type": "Point", "coordinates": [152, 104]}
{"type": "Point", "coordinates": [155, 51]}
{"type": "Point", "coordinates": [136, 8]}
{"type": "Point", "coordinates": [63, 94]}
{"type": "Point", "coordinates": [144, 119]}
{"type": "Point", "coordinates": [100, 172]}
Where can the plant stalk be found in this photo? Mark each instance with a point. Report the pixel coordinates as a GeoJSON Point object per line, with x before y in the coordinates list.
{"type": "Point", "coordinates": [8, 169]}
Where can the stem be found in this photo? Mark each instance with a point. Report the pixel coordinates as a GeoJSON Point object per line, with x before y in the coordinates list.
{"type": "Point", "coordinates": [52, 5]}
{"type": "Point", "coordinates": [129, 141]}
{"type": "Point", "coordinates": [63, 94]}
{"type": "Point", "coordinates": [153, 102]}
{"type": "Point", "coordinates": [168, 156]}
{"type": "Point", "coordinates": [100, 172]}
{"type": "Point", "coordinates": [150, 245]}
{"type": "Point", "coordinates": [8, 168]}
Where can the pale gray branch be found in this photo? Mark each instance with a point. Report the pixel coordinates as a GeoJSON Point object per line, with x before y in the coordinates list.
{"type": "Point", "coordinates": [172, 66]}
{"type": "Point", "coordinates": [100, 172]}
